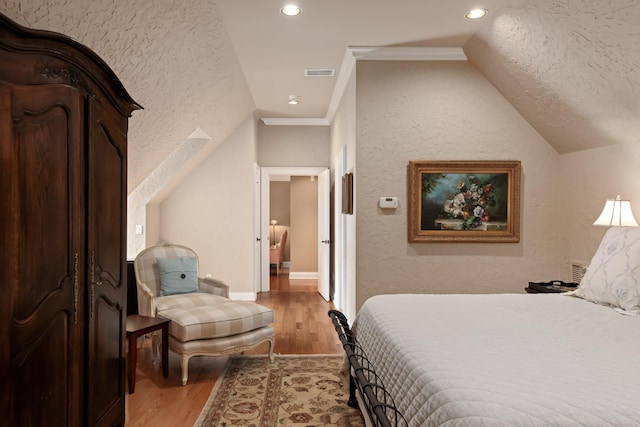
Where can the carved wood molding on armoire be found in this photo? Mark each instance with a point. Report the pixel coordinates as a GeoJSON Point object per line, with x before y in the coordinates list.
{"type": "Point", "coordinates": [63, 149]}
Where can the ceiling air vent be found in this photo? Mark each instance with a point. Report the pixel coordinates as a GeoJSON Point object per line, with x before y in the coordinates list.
{"type": "Point", "coordinates": [319, 72]}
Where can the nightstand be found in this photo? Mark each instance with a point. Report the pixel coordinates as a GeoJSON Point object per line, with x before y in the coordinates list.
{"type": "Point", "coordinates": [140, 325]}
{"type": "Point", "coordinates": [553, 287]}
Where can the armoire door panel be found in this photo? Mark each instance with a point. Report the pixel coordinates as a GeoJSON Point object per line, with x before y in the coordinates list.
{"type": "Point", "coordinates": [45, 191]}
{"type": "Point", "coordinates": [107, 159]}
{"type": "Point", "coordinates": [35, 381]}
{"type": "Point", "coordinates": [108, 381]}
{"type": "Point", "coordinates": [45, 248]}
{"type": "Point", "coordinates": [106, 244]}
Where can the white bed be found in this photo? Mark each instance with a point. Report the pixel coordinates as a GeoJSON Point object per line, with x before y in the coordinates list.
{"type": "Point", "coordinates": [515, 359]}
{"type": "Point", "coordinates": [504, 360]}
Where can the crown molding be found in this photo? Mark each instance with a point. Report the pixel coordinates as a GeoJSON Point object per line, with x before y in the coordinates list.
{"type": "Point", "coordinates": [370, 53]}
{"type": "Point", "coordinates": [347, 67]}
{"type": "Point", "coordinates": [373, 53]}
{"type": "Point", "coordinates": [292, 121]}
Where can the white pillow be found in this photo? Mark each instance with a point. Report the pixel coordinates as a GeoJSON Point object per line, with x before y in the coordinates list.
{"type": "Point", "coordinates": [613, 276]}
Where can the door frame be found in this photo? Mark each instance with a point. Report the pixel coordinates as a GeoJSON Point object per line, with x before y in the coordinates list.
{"type": "Point", "coordinates": [340, 233]}
{"type": "Point", "coordinates": [265, 177]}
{"type": "Point", "coordinates": [257, 244]}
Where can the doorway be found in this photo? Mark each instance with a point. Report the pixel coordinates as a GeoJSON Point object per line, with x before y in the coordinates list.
{"type": "Point", "coordinates": [264, 238]}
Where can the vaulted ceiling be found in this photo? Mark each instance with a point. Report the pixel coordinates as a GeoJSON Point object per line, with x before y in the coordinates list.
{"type": "Point", "coordinates": [570, 67]}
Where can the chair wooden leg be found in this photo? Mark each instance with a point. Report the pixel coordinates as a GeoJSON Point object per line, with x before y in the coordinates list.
{"type": "Point", "coordinates": [184, 361]}
{"type": "Point", "coordinates": [272, 342]}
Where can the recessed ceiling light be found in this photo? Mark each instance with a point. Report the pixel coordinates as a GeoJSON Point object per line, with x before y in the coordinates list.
{"type": "Point", "coordinates": [476, 13]}
{"type": "Point", "coordinates": [293, 100]}
{"type": "Point", "coordinates": [291, 10]}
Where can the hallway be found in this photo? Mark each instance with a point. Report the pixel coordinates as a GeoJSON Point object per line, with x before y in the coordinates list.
{"type": "Point", "coordinates": [302, 325]}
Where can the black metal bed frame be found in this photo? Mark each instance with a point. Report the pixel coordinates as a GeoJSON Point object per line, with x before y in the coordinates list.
{"type": "Point", "coordinates": [378, 403]}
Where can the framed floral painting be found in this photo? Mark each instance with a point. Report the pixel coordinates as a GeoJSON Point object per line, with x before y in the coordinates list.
{"type": "Point", "coordinates": [464, 201]}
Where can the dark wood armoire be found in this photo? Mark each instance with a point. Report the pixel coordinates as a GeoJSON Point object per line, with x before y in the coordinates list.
{"type": "Point", "coordinates": [63, 153]}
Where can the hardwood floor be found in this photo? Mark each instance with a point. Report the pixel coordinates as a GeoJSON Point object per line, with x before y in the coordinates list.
{"type": "Point", "coordinates": [301, 327]}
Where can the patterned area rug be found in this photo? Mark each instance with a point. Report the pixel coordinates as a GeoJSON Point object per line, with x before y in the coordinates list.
{"type": "Point", "coordinates": [295, 390]}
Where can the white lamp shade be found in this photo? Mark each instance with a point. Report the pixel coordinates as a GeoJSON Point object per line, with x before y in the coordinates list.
{"type": "Point", "coordinates": [616, 213]}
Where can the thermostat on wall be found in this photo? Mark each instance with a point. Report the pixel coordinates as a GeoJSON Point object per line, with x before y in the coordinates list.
{"type": "Point", "coordinates": [388, 202]}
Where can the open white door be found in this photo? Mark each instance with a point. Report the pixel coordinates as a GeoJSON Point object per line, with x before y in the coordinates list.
{"type": "Point", "coordinates": [257, 230]}
{"type": "Point", "coordinates": [324, 234]}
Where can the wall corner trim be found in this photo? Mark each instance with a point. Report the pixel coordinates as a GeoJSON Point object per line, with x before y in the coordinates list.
{"type": "Point", "coordinates": [374, 53]}
{"type": "Point", "coordinates": [295, 121]}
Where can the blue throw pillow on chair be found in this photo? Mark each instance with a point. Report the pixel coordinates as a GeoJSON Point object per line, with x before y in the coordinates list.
{"type": "Point", "coordinates": [178, 275]}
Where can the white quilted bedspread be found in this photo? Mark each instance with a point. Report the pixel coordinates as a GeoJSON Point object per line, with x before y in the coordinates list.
{"type": "Point", "coordinates": [504, 360]}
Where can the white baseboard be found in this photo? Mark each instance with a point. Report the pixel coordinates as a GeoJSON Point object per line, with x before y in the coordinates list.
{"type": "Point", "coordinates": [243, 296]}
{"type": "Point", "coordinates": [303, 275]}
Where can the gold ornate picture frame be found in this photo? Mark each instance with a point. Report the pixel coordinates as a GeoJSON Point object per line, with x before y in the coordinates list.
{"type": "Point", "coordinates": [464, 201]}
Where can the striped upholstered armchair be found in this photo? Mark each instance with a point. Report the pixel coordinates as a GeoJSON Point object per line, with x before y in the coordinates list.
{"type": "Point", "coordinates": [204, 321]}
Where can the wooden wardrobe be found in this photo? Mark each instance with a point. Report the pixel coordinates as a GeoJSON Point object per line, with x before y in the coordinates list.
{"type": "Point", "coordinates": [63, 152]}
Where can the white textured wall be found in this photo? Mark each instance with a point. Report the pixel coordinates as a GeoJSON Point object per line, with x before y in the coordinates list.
{"type": "Point", "coordinates": [152, 225]}
{"type": "Point", "coordinates": [343, 126]}
{"type": "Point", "coordinates": [211, 211]}
{"type": "Point", "coordinates": [293, 145]}
{"type": "Point", "coordinates": [589, 178]}
{"type": "Point", "coordinates": [446, 111]}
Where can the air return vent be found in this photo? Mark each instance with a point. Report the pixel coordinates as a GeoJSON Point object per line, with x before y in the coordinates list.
{"type": "Point", "coordinates": [319, 72]}
{"type": "Point", "coordinates": [577, 270]}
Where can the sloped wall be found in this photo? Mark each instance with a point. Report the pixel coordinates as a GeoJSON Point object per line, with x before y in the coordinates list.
{"type": "Point", "coordinates": [446, 111]}
{"type": "Point", "coordinates": [569, 67]}
{"type": "Point", "coordinates": [211, 211]}
{"type": "Point", "coordinates": [175, 59]}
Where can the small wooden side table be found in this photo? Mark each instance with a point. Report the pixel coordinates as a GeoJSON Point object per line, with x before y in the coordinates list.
{"type": "Point", "coordinates": [139, 325]}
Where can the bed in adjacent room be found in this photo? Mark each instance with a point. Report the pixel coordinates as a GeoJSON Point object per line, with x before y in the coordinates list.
{"type": "Point", "coordinates": [515, 359]}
